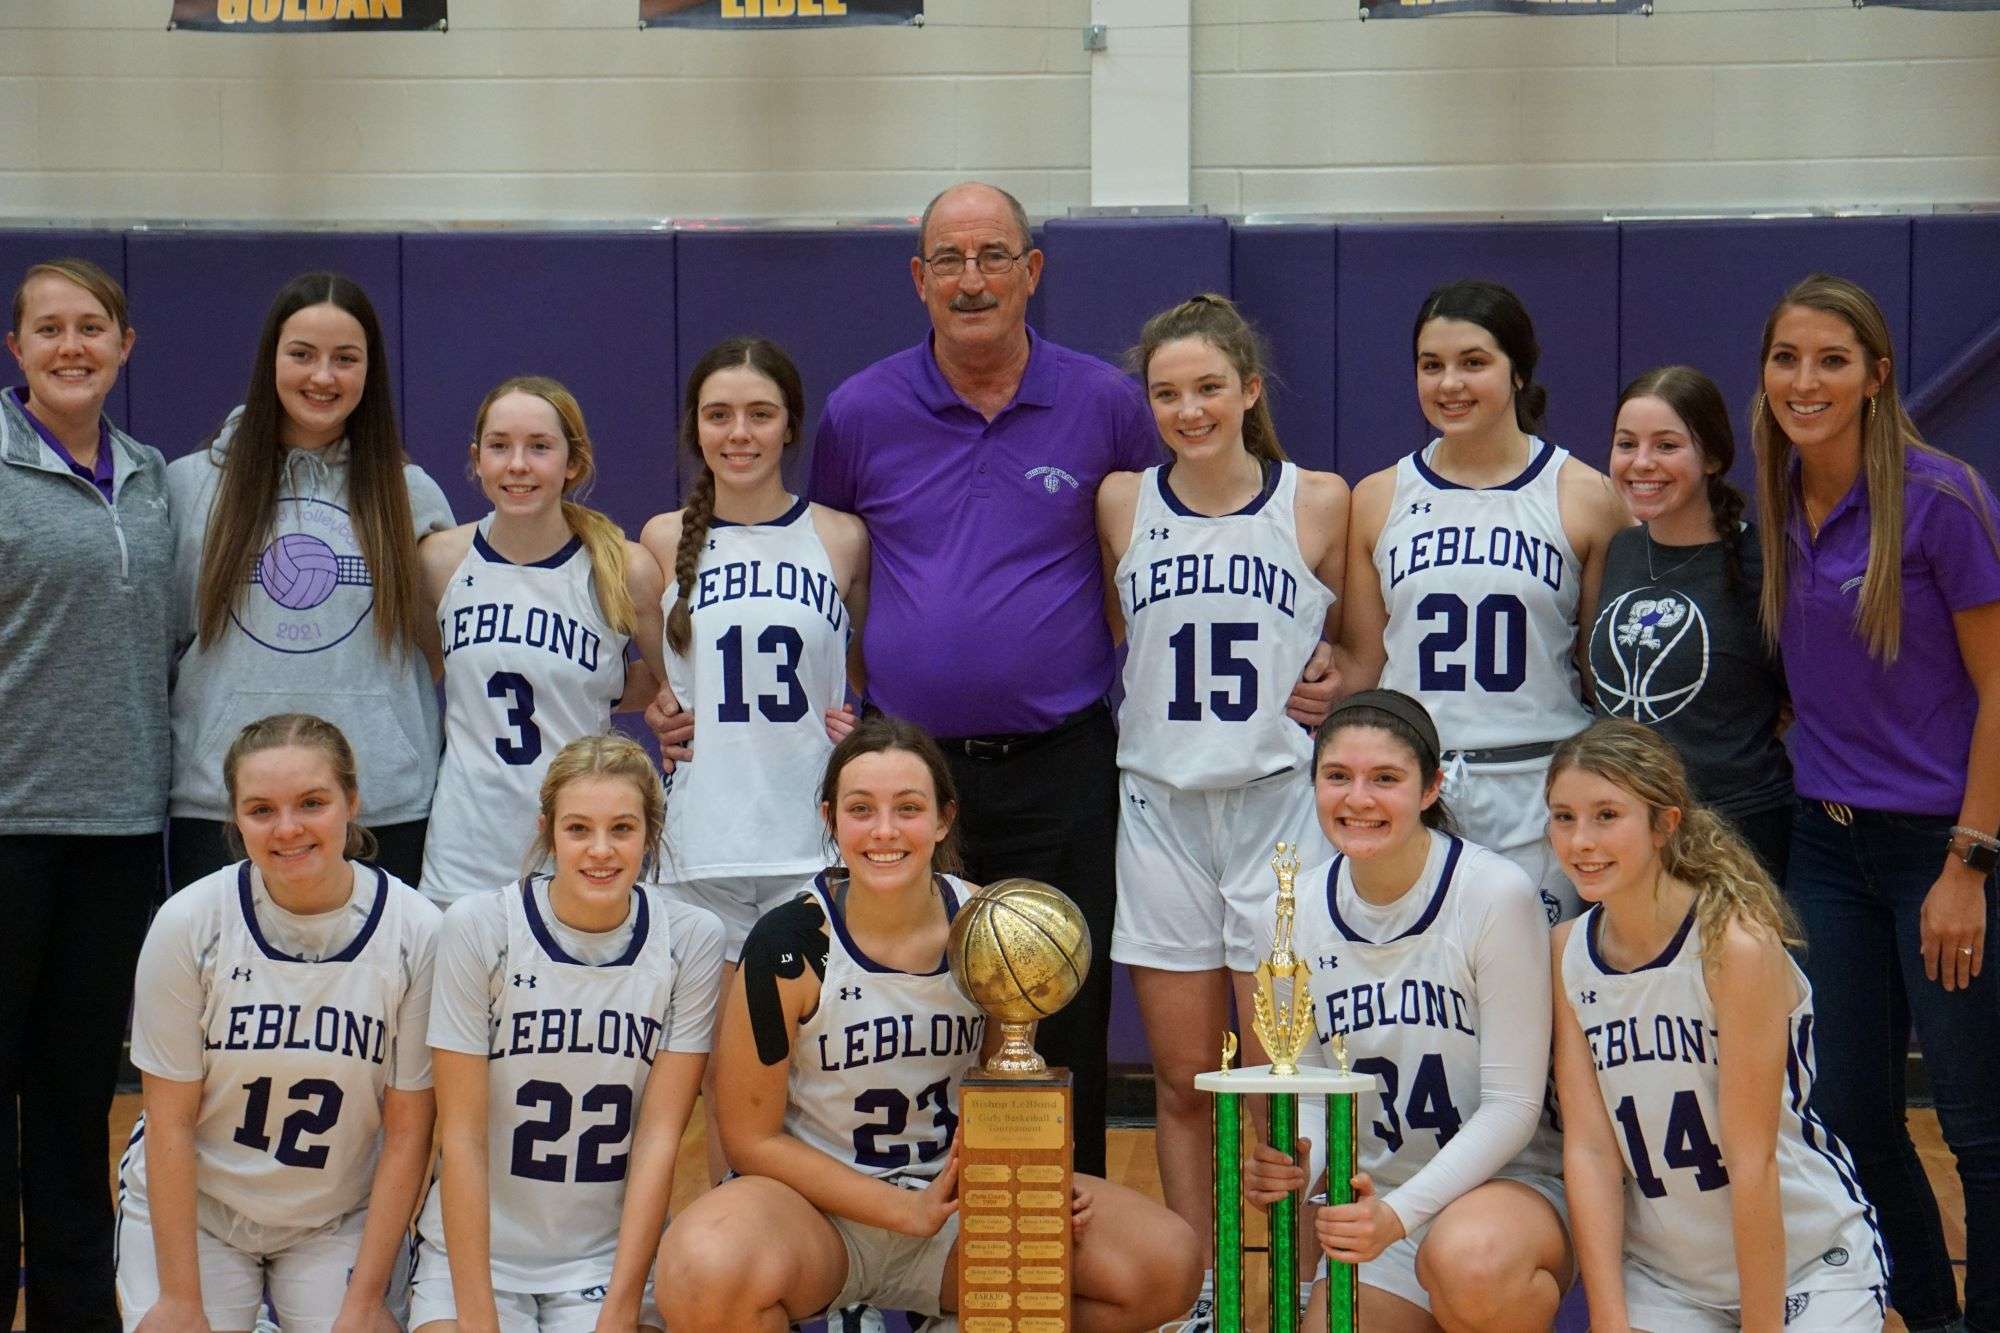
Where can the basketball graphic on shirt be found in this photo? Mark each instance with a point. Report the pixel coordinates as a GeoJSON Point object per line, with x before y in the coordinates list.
{"type": "Point", "coordinates": [1656, 641]}
{"type": "Point", "coordinates": [299, 571]}
{"type": "Point", "coordinates": [310, 587]}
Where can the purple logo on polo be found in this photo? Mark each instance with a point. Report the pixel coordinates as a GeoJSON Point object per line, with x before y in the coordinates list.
{"type": "Point", "coordinates": [1052, 478]}
{"type": "Point", "coordinates": [310, 587]}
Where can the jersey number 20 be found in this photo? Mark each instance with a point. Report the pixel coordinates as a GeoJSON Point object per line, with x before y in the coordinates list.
{"type": "Point", "coordinates": [1499, 625]}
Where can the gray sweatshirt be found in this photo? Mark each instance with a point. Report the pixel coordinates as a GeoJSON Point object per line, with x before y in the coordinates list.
{"type": "Point", "coordinates": [85, 630]}
{"type": "Point", "coordinates": [302, 639]}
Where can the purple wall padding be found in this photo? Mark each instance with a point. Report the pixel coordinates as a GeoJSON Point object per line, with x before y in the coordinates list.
{"type": "Point", "coordinates": [205, 295]}
{"type": "Point", "coordinates": [1699, 293]}
{"type": "Point", "coordinates": [595, 311]}
{"type": "Point", "coordinates": [1567, 276]}
{"type": "Point", "coordinates": [106, 249]}
{"type": "Point", "coordinates": [1954, 299]}
{"type": "Point", "coordinates": [1284, 279]}
{"type": "Point", "coordinates": [835, 300]}
{"type": "Point", "coordinates": [1104, 277]}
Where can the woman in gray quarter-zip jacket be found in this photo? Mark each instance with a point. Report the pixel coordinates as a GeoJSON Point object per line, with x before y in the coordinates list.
{"type": "Point", "coordinates": [296, 584]}
{"type": "Point", "coordinates": [87, 553]}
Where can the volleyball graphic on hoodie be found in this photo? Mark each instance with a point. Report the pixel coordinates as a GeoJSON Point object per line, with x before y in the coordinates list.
{"type": "Point", "coordinates": [299, 571]}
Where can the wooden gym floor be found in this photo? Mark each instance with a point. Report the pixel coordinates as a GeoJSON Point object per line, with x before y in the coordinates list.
{"type": "Point", "coordinates": [1132, 1163]}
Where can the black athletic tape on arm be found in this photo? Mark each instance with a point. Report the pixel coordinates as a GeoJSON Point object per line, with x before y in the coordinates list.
{"type": "Point", "coordinates": [780, 945]}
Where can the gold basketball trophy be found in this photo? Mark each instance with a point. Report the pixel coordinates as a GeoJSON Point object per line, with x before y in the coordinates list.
{"type": "Point", "coordinates": [1284, 1029]}
{"type": "Point", "coordinates": [1020, 951]}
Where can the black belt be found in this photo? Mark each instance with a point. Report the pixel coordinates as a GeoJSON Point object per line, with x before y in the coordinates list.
{"type": "Point", "coordinates": [1504, 754]}
{"type": "Point", "coordinates": [1006, 745]}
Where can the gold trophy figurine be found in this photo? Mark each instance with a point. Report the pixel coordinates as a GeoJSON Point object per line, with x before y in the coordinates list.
{"type": "Point", "coordinates": [1284, 1034]}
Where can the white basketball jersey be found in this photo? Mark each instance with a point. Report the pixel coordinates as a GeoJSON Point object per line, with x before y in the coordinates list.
{"type": "Point", "coordinates": [1654, 1038]}
{"type": "Point", "coordinates": [768, 659]}
{"type": "Point", "coordinates": [296, 1057]}
{"type": "Point", "coordinates": [530, 665]}
{"type": "Point", "coordinates": [1220, 615]}
{"type": "Point", "coordinates": [1409, 1007]}
{"type": "Point", "coordinates": [570, 1048]}
{"type": "Point", "coordinates": [876, 1069]}
{"type": "Point", "coordinates": [1481, 587]}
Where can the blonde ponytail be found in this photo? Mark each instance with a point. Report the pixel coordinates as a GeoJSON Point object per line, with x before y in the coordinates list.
{"type": "Point", "coordinates": [604, 540]}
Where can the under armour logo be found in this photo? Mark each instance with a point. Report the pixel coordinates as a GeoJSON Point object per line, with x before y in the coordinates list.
{"type": "Point", "coordinates": [239, 974]}
{"type": "Point", "coordinates": [1138, 800]}
{"type": "Point", "coordinates": [1795, 1304]}
{"type": "Point", "coordinates": [850, 992]}
{"type": "Point", "coordinates": [465, 582]}
{"type": "Point", "coordinates": [1329, 961]}
{"type": "Point", "coordinates": [1157, 534]}
{"type": "Point", "coordinates": [524, 979]}
{"type": "Point", "coordinates": [1420, 506]}
{"type": "Point", "coordinates": [592, 1294]}
{"type": "Point", "coordinates": [1586, 997]}
{"type": "Point", "coordinates": [711, 543]}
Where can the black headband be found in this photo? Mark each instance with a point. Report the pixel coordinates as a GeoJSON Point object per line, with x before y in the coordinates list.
{"type": "Point", "coordinates": [1399, 706]}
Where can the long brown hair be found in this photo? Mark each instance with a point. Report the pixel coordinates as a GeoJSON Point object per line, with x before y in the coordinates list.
{"type": "Point", "coordinates": [1693, 398]}
{"type": "Point", "coordinates": [602, 538]}
{"type": "Point", "coordinates": [1216, 321]}
{"type": "Point", "coordinates": [1887, 434]}
{"type": "Point", "coordinates": [1703, 852]}
{"type": "Point", "coordinates": [246, 501]}
{"type": "Point", "coordinates": [769, 360]}
{"type": "Point", "coordinates": [310, 732]}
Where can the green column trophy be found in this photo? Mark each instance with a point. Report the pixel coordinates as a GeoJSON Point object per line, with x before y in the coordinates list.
{"type": "Point", "coordinates": [1284, 1031]}
{"type": "Point", "coordinates": [1020, 951]}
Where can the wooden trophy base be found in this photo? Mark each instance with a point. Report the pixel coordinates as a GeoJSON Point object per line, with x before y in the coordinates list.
{"type": "Point", "coordinates": [1014, 1257]}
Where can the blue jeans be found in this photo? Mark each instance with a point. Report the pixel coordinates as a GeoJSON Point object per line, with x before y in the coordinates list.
{"type": "Point", "coordinates": [1859, 889]}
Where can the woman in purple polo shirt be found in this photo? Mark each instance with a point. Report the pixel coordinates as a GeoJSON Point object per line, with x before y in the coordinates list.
{"type": "Point", "coordinates": [1882, 590]}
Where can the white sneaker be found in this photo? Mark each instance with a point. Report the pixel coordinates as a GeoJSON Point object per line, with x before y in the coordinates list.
{"type": "Point", "coordinates": [856, 1319]}
{"type": "Point", "coordinates": [1200, 1318]}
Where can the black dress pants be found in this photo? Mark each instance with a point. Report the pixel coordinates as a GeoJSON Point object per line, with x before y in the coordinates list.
{"type": "Point", "coordinates": [1049, 811]}
{"type": "Point", "coordinates": [77, 910]}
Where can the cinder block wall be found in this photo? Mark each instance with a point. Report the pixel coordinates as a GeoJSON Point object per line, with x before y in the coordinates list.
{"type": "Point", "coordinates": [564, 110]}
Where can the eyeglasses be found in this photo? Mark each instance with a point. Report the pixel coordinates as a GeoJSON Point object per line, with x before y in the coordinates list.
{"type": "Point", "coordinates": [992, 261]}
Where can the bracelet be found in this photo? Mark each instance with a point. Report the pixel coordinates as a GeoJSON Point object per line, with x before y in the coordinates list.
{"type": "Point", "coordinates": [1976, 837]}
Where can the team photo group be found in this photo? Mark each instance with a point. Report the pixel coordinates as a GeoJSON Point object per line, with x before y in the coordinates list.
{"type": "Point", "coordinates": [1644, 821]}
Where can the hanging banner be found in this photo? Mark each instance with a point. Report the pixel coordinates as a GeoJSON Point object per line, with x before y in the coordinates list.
{"type": "Point", "coordinates": [308, 15]}
{"type": "Point", "coordinates": [1417, 9]}
{"type": "Point", "coordinates": [758, 15]}
{"type": "Point", "coordinates": [1966, 5]}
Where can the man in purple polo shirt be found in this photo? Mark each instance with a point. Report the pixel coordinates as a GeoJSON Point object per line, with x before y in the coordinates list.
{"type": "Point", "coordinates": [974, 459]}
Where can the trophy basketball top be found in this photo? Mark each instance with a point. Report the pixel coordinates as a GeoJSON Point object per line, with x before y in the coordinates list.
{"type": "Point", "coordinates": [1020, 950]}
